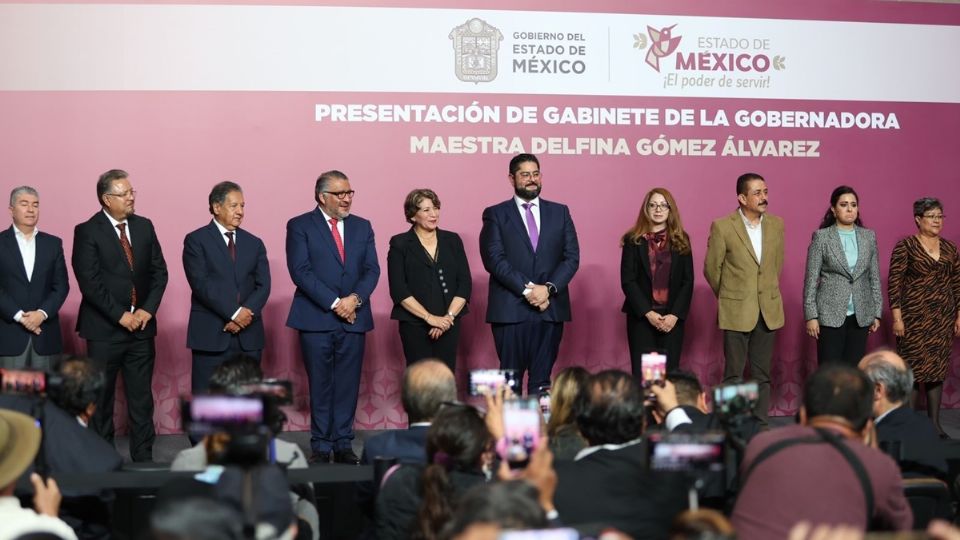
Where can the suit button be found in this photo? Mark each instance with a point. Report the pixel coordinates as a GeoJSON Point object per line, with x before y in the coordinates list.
{"type": "Point", "coordinates": [440, 270]}
{"type": "Point", "coordinates": [445, 291]}
{"type": "Point", "coordinates": [851, 281]}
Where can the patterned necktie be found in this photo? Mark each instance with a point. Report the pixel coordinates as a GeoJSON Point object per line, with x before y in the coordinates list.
{"type": "Point", "coordinates": [231, 247]}
{"type": "Point", "coordinates": [128, 251]}
{"type": "Point", "coordinates": [531, 225]}
{"type": "Point", "coordinates": [336, 238]}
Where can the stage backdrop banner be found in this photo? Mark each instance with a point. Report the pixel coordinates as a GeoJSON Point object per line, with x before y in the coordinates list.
{"type": "Point", "coordinates": [614, 102]}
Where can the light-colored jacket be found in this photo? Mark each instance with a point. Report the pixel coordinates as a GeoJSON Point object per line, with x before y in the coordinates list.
{"type": "Point", "coordinates": [829, 281]}
{"type": "Point", "coordinates": [745, 288]}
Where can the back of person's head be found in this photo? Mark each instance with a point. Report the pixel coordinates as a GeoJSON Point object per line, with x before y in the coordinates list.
{"type": "Point", "coordinates": [887, 368]}
{"type": "Point", "coordinates": [195, 518]}
{"type": "Point", "coordinates": [19, 442]}
{"type": "Point", "coordinates": [839, 391]}
{"type": "Point", "coordinates": [236, 371]}
{"type": "Point", "coordinates": [688, 387]}
{"type": "Point", "coordinates": [457, 440]}
{"type": "Point", "coordinates": [610, 408]}
{"type": "Point", "coordinates": [272, 510]}
{"type": "Point", "coordinates": [427, 384]}
{"type": "Point", "coordinates": [82, 384]}
{"type": "Point", "coordinates": [509, 505]}
{"type": "Point", "coordinates": [703, 524]}
{"type": "Point", "coordinates": [563, 394]}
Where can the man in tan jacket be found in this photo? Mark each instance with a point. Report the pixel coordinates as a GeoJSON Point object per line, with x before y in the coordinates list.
{"type": "Point", "coordinates": [743, 263]}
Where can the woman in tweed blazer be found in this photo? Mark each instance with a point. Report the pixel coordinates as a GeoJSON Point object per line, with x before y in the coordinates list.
{"type": "Point", "coordinates": [841, 290]}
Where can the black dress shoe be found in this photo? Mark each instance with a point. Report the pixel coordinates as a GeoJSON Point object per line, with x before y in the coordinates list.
{"type": "Point", "coordinates": [319, 457]}
{"type": "Point", "coordinates": [346, 456]}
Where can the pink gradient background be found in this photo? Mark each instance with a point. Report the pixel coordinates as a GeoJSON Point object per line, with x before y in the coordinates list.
{"type": "Point", "coordinates": [176, 145]}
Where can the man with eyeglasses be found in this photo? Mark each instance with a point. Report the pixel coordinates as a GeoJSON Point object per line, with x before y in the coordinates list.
{"type": "Point", "coordinates": [122, 275]}
{"type": "Point", "coordinates": [529, 246]}
{"type": "Point", "coordinates": [742, 265]}
{"type": "Point", "coordinates": [332, 260]}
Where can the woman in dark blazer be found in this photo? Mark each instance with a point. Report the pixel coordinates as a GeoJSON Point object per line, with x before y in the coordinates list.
{"type": "Point", "coordinates": [841, 290]}
{"type": "Point", "coordinates": [656, 274]}
{"type": "Point", "coordinates": [429, 282]}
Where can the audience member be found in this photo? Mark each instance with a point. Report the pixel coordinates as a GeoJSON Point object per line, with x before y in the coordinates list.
{"type": "Point", "coordinates": [821, 470]}
{"type": "Point", "coordinates": [268, 512]}
{"type": "Point", "coordinates": [692, 399]}
{"type": "Point", "coordinates": [703, 524]}
{"type": "Point", "coordinates": [418, 500]}
{"type": "Point", "coordinates": [565, 438]}
{"type": "Point", "coordinates": [196, 518]}
{"type": "Point", "coordinates": [592, 490]}
{"type": "Point", "coordinates": [19, 442]}
{"type": "Point", "coordinates": [486, 509]}
{"type": "Point", "coordinates": [906, 435]}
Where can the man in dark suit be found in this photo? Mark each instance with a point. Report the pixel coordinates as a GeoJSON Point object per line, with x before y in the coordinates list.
{"type": "Point", "coordinates": [122, 276]}
{"type": "Point", "coordinates": [906, 435]}
{"type": "Point", "coordinates": [591, 491]}
{"type": "Point", "coordinates": [332, 259]}
{"type": "Point", "coordinates": [529, 246]}
{"type": "Point", "coordinates": [229, 275]}
{"type": "Point", "coordinates": [33, 286]}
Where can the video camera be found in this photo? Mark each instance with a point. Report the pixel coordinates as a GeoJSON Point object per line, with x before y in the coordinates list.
{"type": "Point", "coordinates": [29, 382]}
{"type": "Point", "coordinates": [244, 419]}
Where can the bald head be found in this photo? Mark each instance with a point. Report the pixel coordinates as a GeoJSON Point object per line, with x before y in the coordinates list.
{"type": "Point", "coordinates": [426, 385]}
{"type": "Point", "coordinates": [891, 375]}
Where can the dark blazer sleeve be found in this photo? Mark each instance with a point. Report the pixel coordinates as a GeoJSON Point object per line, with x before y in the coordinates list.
{"type": "Point", "coordinates": [158, 274]}
{"type": "Point", "coordinates": [464, 279]}
{"type": "Point", "coordinates": [301, 269]}
{"type": "Point", "coordinates": [396, 269]}
{"type": "Point", "coordinates": [86, 268]}
{"type": "Point", "coordinates": [370, 269]}
{"type": "Point", "coordinates": [257, 299]}
{"type": "Point", "coordinates": [682, 269]}
{"type": "Point", "coordinates": [569, 262]}
{"type": "Point", "coordinates": [637, 294]}
{"type": "Point", "coordinates": [494, 256]}
{"type": "Point", "coordinates": [57, 294]}
{"type": "Point", "coordinates": [195, 267]}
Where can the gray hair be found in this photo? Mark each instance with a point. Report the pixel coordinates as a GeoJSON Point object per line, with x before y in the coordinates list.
{"type": "Point", "coordinates": [17, 191]}
{"type": "Point", "coordinates": [324, 180]}
{"type": "Point", "coordinates": [897, 383]}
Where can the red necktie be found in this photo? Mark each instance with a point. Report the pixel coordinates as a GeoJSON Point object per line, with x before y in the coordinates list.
{"type": "Point", "coordinates": [128, 251]}
{"type": "Point", "coordinates": [336, 238]}
{"type": "Point", "coordinates": [231, 247]}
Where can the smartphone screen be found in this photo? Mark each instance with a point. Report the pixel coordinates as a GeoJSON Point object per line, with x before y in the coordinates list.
{"type": "Point", "coordinates": [23, 381]}
{"type": "Point", "coordinates": [521, 427]}
{"type": "Point", "coordinates": [653, 366]}
{"type": "Point", "coordinates": [484, 381]}
{"type": "Point", "coordinates": [543, 396]}
{"type": "Point", "coordinates": [735, 398]}
{"type": "Point", "coordinates": [686, 452]}
{"type": "Point", "coordinates": [541, 534]}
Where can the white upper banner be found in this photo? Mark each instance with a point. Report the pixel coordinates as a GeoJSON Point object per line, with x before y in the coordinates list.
{"type": "Point", "coordinates": [310, 48]}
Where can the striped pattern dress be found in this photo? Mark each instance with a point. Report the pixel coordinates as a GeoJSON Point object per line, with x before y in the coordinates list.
{"type": "Point", "coordinates": [927, 292]}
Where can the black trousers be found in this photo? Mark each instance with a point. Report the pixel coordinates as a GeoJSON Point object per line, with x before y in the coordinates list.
{"type": "Point", "coordinates": [847, 344]}
{"type": "Point", "coordinates": [643, 337]}
{"type": "Point", "coordinates": [134, 359]}
{"type": "Point", "coordinates": [417, 344]}
{"type": "Point", "coordinates": [529, 345]}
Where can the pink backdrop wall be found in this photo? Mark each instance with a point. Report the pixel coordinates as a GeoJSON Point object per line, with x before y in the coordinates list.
{"type": "Point", "coordinates": [176, 145]}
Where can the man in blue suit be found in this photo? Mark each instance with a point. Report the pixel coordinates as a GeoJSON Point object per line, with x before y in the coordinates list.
{"type": "Point", "coordinates": [332, 259]}
{"type": "Point", "coordinates": [529, 246]}
{"type": "Point", "coordinates": [228, 273]}
{"type": "Point", "coordinates": [33, 286]}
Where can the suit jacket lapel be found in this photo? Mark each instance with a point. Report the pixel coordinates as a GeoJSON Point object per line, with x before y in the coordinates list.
{"type": "Point", "coordinates": [414, 245]}
{"type": "Point", "coordinates": [644, 252]}
{"type": "Point", "coordinates": [741, 229]}
{"type": "Point", "coordinates": [223, 254]}
{"type": "Point", "coordinates": [326, 235]}
{"type": "Point", "coordinates": [513, 216]}
{"type": "Point", "coordinates": [108, 229]}
{"type": "Point", "coordinates": [863, 258]}
{"type": "Point", "coordinates": [10, 242]}
{"type": "Point", "coordinates": [836, 249]}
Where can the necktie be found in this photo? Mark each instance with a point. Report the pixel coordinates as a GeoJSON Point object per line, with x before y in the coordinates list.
{"type": "Point", "coordinates": [231, 247]}
{"type": "Point", "coordinates": [336, 238]}
{"type": "Point", "coordinates": [531, 225]}
{"type": "Point", "coordinates": [128, 251]}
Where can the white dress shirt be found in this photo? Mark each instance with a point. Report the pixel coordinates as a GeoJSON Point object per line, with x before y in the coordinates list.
{"type": "Point", "coordinates": [755, 232]}
{"type": "Point", "coordinates": [114, 224]}
{"type": "Point", "coordinates": [28, 252]}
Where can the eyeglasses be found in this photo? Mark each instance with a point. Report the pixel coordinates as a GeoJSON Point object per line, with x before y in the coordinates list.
{"type": "Point", "coordinates": [526, 175]}
{"type": "Point", "coordinates": [934, 217]}
{"type": "Point", "coordinates": [124, 195]}
{"type": "Point", "coordinates": [341, 194]}
{"type": "Point", "coordinates": [658, 206]}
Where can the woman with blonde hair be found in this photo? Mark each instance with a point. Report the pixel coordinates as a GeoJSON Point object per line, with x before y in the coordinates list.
{"type": "Point", "coordinates": [565, 438]}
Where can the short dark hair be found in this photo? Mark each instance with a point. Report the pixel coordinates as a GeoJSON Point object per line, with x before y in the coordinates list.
{"type": "Point", "coordinates": [745, 179]}
{"type": "Point", "coordinates": [411, 205]}
{"type": "Point", "coordinates": [82, 384]}
{"type": "Point", "coordinates": [237, 370]}
{"type": "Point", "coordinates": [839, 390]}
{"type": "Point", "coordinates": [687, 385]}
{"type": "Point", "coordinates": [105, 181]}
{"type": "Point", "coordinates": [522, 158]}
{"type": "Point", "coordinates": [323, 181]}
{"type": "Point", "coordinates": [220, 191]}
{"type": "Point", "coordinates": [610, 408]}
{"type": "Point", "coordinates": [512, 504]}
{"type": "Point", "coordinates": [924, 204]}
{"type": "Point", "coordinates": [828, 218]}
{"type": "Point", "coordinates": [422, 393]}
